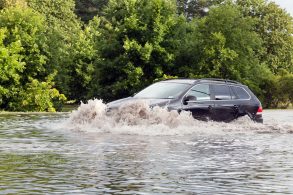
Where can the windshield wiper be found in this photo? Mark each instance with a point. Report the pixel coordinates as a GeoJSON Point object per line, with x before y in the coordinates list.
{"type": "Point", "coordinates": [200, 92]}
{"type": "Point", "coordinates": [167, 98]}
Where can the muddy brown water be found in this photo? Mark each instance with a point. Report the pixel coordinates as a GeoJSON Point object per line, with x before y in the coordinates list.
{"type": "Point", "coordinates": [87, 152]}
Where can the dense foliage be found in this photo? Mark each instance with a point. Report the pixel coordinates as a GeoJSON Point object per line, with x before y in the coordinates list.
{"type": "Point", "coordinates": [23, 62]}
{"type": "Point", "coordinates": [108, 49]}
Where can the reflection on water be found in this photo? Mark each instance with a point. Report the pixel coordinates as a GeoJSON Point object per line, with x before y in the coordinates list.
{"type": "Point", "coordinates": [38, 154]}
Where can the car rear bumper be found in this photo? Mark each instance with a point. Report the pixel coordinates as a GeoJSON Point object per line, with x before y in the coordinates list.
{"type": "Point", "coordinates": [258, 118]}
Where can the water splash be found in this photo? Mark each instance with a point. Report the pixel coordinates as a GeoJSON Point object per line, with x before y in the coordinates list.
{"type": "Point", "coordinates": [138, 118]}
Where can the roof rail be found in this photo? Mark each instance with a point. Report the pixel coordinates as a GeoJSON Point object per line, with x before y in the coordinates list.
{"type": "Point", "coordinates": [207, 79]}
{"type": "Point", "coordinates": [222, 80]}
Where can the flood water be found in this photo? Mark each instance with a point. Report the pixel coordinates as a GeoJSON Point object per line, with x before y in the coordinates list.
{"type": "Point", "coordinates": [88, 152]}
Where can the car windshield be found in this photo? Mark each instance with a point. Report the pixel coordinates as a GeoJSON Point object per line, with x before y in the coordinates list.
{"type": "Point", "coordinates": [163, 90]}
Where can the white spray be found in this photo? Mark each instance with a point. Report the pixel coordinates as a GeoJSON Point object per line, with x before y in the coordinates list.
{"type": "Point", "coordinates": [138, 118]}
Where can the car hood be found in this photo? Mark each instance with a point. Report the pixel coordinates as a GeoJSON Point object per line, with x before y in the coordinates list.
{"type": "Point", "coordinates": [151, 102]}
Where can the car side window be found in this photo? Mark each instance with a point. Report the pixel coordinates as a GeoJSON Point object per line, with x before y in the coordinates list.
{"type": "Point", "coordinates": [201, 92]}
{"type": "Point", "coordinates": [240, 93]}
{"type": "Point", "coordinates": [233, 94]}
{"type": "Point", "coordinates": [221, 92]}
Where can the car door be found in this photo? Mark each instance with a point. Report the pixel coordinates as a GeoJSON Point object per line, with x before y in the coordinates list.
{"type": "Point", "coordinates": [224, 108]}
{"type": "Point", "coordinates": [198, 101]}
{"type": "Point", "coordinates": [242, 101]}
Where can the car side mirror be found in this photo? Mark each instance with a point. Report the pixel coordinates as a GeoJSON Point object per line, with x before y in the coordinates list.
{"type": "Point", "coordinates": [188, 98]}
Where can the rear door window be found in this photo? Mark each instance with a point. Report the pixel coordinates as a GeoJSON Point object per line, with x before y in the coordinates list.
{"type": "Point", "coordinates": [201, 92]}
{"type": "Point", "coordinates": [221, 92]}
{"type": "Point", "coordinates": [240, 93]}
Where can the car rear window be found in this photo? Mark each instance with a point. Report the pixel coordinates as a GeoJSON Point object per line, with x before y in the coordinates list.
{"type": "Point", "coordinates": [240, 93]}
{"type": "Point", "coordinates": [222, 92]}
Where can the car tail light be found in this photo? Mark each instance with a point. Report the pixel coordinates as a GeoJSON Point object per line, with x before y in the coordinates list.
{"type": "Point", "coordinates": [259, 111]}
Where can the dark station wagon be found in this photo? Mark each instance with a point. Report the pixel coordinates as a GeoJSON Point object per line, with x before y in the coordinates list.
{"type": "Point", "coordinates": [206, 99]}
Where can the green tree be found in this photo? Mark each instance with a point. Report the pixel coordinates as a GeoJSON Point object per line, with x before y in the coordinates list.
{"type": "Point", "coordinates": [81, 74]}
{"type": "Point", "coordinates": [133, 42]}
{"type": "Point", "coordinates": [27, 27]}
{"type": "Point", "coordinates": [196, 8]}
{"type": "Point", "coordinates": [70, 48]}
{"type": "Point", "coordinates": [87, 9]}
{"type": "Point", "coordinates": [222, 45]}
{"type": "Point", "coordinates": [275, 27]}
{"type": "Point", "coordinates": [23, 53]}
{"type": "Point", "coordinates": [11, 68]}
{"type": "Point", "coordinates": [285, 90]}
{"type": "Point", "coordinates": [38, 96]}
{"type": "Point", "coordinates": [277, 90]}
{"type": "Point", "coordinates": [9, 3]}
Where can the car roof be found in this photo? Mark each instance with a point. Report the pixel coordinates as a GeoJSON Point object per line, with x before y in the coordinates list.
{"type": "Point", "coordinates": [208, 80]}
